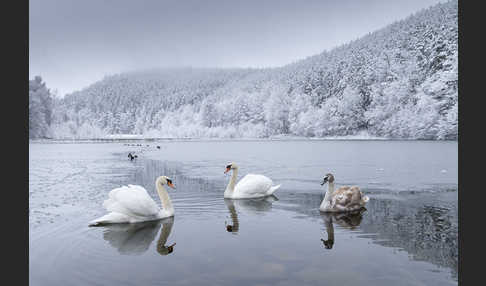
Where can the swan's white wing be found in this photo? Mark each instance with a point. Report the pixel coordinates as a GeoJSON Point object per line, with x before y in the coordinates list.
{"type": "Point", "coordinates": [253, 185]}
{"type": "Point", "coordinates": [131, 200]}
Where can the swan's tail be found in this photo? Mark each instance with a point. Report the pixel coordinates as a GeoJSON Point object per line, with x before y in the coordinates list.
{"type": "Point", "coordinates": [112, 217]}
{"type": "Point", "coordinates": [96, 222]}
{"type": "Point", "coordinates": [272, 190]}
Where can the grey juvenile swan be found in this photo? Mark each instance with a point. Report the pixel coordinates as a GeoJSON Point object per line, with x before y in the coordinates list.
{"type": "Point", "coordinates": [344, 199]}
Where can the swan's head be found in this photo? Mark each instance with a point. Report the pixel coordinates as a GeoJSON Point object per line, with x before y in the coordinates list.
{"type": "Point", "coordinates": [164, 180]}
{"type": "Point", "coordinates": [165, 250]}
{"type": "Point", "coordinates": [230, 166]}
{"type": "Point", "coordinates": [231, 228]}
{"type": "Point", "coordinates": [328, 243]}
{"type": "Point", "coordinates": [328, 178]}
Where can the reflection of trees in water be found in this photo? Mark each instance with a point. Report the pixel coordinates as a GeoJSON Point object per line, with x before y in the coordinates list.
{"type": "Point", "coordinates": [151, 169]}
{"type": "Point", "coordinates": [415, 223]}
{"type": "Point", "coordinates": [135, 238]}
{"type": "Point", "coordinates": [303, 203]}
{"type": "Point", "coordinates": [428, 233]}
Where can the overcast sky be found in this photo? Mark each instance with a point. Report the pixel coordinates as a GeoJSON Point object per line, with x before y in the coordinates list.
{"type": "Point", "coordinates": [73, 43]}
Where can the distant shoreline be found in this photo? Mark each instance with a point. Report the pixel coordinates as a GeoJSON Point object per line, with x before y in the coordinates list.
{"type": "Point", "coordinates": [168, 139]}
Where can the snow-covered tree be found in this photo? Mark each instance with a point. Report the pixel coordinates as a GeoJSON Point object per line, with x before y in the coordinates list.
{"type": "Point", "coordinates": [40, 109]}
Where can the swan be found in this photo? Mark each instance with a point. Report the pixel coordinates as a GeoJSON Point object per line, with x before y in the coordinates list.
{"type": "Point", "coordinates": [250, 186]}
{"type": "Point", "coordinates": [344, 199]}
{"type": "Point", "coordinates": [132, 203]}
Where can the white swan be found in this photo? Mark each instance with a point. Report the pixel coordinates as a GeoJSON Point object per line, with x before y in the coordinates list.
{"type": "Point", "coordinates": [250, 186]}
{"type": "Point", "coordinates": [344, 199]}
{"type": "Point", "coordinates": [133, 204]}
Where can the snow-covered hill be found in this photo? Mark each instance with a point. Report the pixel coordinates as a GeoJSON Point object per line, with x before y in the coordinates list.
{"type": "Point", "coordinates": [397, 82]}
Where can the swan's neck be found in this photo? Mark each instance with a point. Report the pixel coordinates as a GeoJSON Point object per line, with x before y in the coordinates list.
{"type": "Point", "coordinates": [327, 197]}
{"type": "Point", "coordinates": [231, 185]}
{"type": "Point", "coordinates": [234, 217]}
{"type": "Point", "coordinates": [164, 198]}
{"type": "Point", "coordinates": [330, 191]}
{"type": "Point", "coordinates": [164, 234]}
{"type": "Point", "coordinates": [330, 229]}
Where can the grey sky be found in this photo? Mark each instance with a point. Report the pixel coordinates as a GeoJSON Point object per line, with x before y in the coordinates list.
{"type": "Point", "coordinates": [73, 43]}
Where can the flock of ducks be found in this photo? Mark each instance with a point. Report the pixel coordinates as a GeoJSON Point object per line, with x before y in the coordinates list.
{"type": "Point", "coordinates": [133, 204]}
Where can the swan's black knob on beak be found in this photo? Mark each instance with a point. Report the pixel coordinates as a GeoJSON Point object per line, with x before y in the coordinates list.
{"type": "Point", "coordinates": [228, 168]}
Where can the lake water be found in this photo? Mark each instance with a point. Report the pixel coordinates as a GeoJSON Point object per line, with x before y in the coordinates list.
{"type": "Point", "coordinates": [407, 235]}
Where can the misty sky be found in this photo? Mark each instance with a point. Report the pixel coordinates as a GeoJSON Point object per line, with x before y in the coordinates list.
{"type": "Point", "coordinates": [73, 43]}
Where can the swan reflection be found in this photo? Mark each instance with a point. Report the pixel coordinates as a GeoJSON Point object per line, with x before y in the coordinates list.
{"type": "Point", "coordinates": [234, 217]}
{"type": "Point", "coordinates": [162, 249]}
{"type": "Point", "coordinates": [253, 206]}
{"type": "Point", "coordinates": [136, 238]}
{"type": "Point", "coordinates": [347, 220]}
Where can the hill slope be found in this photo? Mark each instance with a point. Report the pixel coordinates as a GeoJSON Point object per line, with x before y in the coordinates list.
{"type": "Point", "coordinates": [397, 82]}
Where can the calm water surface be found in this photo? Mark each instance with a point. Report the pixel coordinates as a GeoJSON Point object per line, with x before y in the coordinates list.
{"type": "Point", "coordinates": [407, 235]}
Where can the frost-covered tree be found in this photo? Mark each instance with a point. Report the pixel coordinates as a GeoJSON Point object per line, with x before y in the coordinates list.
{"type": "Point", "coordinates": [40, 109]}
{"type": "Point", "coordinates": [276, 111]}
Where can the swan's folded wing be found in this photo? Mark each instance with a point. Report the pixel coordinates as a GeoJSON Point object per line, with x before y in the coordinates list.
{"type": "Point", "coordinates": [343, 197]}
{"type": "Point", "coordinates": [132, 200]}
{"type": "Point", "coordinates": [253, 185]}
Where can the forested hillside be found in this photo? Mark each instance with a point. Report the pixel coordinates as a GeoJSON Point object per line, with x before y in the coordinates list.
{"type": "Point", "coordinates": [397, 82]}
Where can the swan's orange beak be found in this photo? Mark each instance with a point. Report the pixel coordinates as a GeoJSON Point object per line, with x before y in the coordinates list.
{"type": "Point", "coordinates": [227, 170]}
{"type": "Point", "coordinates": [170, 185]}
